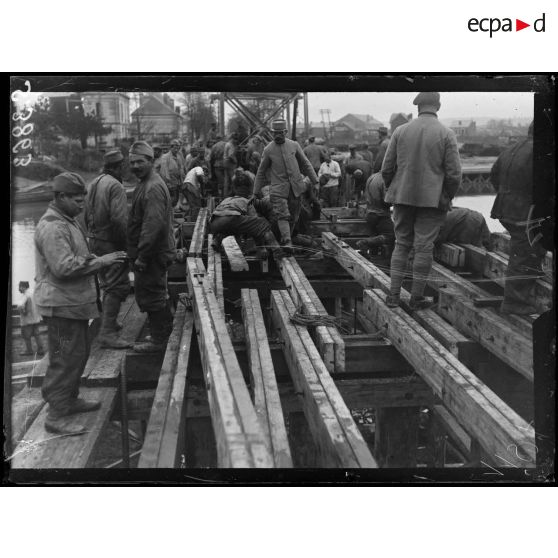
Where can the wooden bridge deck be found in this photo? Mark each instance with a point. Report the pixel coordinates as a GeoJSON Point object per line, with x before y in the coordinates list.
{"type": "Point", "coordinates": [274, 394]}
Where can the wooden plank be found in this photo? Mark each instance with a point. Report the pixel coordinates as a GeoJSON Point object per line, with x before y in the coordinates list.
{"type": "Point", "coordinates": [41, 450]}
{"type": "Point", "coordinates": [215, 272]}
{"type": "Point", "coordinates": [478, 409]}
{"type": "Point", "coordinates": [328, 339]}
{"type": "Point", "coordinates": [396, 437]}
{"type": "Point", "coordinates": [104, 365]}
{"type": "Point", "coordinates": [26, 405]}
{"type": "Point", "coordinates": [237, 261]}
{"type": "Point", "coordinates": [264, 384]}
{"type": "Point", "coordinates": [239, 436]}
{"type": "Point", "coordinates": [153, 437]}
{"type": "Point", "coordinates": [173, 438]}
{"type": "Point", "coordinates": [329, 419]}
{"type": "Point", "coordinates": [198, 235]}
{"type": "Point", "coordinates": [459, 436]}
{"type": "Point", "coordinates": [489, 330]}
{"type": "Point", "coordinates": [341, 227]}
{"type": "Point", "coordinates": [450, 254]}
{"type": "Point", "coordinates": [494, 266]}
{"type": "Point", "coordinates": [369, 275]}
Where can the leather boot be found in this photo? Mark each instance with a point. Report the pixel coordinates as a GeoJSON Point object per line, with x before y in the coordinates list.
{"type": "Point", "coordinates": [285, 231]}
{"type": "Point", "coordinates": [63, 426]}
{"type": "Point", "coordinates": [108, 336]}
{"type": "Point", "coordinates": [80, 405]}
{"type": "Point", "coordinates": [160, 324]}
{"type": "Point", "coordinates": [271, 242]}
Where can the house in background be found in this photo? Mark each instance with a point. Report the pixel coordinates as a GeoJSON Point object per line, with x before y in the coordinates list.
{"type": "Point", "coordinates": [156, 120]}
{"type": "Point", "coordinates": [355, 128]}
{"type": "Point", "coordinates": [464, 128]}
{"type": "Point", "coordinates": [397, 119]}
{"type": "Point", "coordinates": [114, 109]}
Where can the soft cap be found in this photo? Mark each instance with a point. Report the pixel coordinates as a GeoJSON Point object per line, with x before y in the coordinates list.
{"type": "Point", "coordinates": [114, 156]}
{"type": "Point", "coordinates": [141, 148]}
{"type": "Point", "coordinates": [69, 183]}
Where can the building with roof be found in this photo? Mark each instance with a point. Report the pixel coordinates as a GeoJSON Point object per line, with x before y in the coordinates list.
{"type": "Point", "coordinates": [397, 119]}
{"type": "Point", "coordinates": [464, 127]}
{"type": "Point", "coordinates": [114, 108]}
{"type": "Point", "coordinates": [356, 128]}
{"type": "Point", "coordinates": [156, 120]}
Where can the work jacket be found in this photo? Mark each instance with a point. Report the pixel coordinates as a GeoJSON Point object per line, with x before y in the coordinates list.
{"type": "Point", "coordinates": [315, 154]}
{"type": "Point", "coordinates": [382, 148]}
{"type": "Point", "coordinates": [286, 162]}
{"type": "Point", "coordinates": [229, 156]}
{"type": "Point", "coordinates": [421, 167]}
{"type": "Point", "coordinates": [150, 232]}
{"type": "Point", "coordinates": [106, 211]}
{"type": "Point", "coordinates": [64, 266]}
{"type": "Point", "coordinates": [364, 166]}
{"type": "Point", "coordinates": [238, 205]}
{"type": "Point", "coordinates": [464, 226]}
{"type": "Point", "coordinates": [172, 170]}
{"type": "Point", "coordinates": [374, 194]}
{"type": "Point", "coordinates": [512, 178]}
{"type": "Point", "coordinates": [217, 154]}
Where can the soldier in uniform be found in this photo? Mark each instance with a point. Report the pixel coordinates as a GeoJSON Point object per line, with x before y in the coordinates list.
{"type": "Point", "coordinates": [66, 297]}
{"type": "Point", "coordinates": [151, 246]}
{"type": "Point", "coordinates": [382, 148]}
{"type": "Point", "coordinates": [106, 215]}
{"type": "Point", "coordinates": [287, 163]}
{"type": "Point", "coordinates": [172, 170]}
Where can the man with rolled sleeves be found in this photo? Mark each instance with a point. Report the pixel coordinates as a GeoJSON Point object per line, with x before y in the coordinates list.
{"type": "Point", "coordinates": [422, 173]}
{"type": "Point", "coordinates": [106, 216]}
{"type": "Point", "coordinates": [151, 246]}
{"type": "Point", "coordinates": [287, 164]}
{"type": "Point", "coordinates": [66, 298]}
{"type": "Point", "coordinates": [172, 170]}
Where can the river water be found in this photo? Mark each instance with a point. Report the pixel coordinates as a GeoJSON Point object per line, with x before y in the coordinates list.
{"type": "Point", "coordinates": [27, 215]}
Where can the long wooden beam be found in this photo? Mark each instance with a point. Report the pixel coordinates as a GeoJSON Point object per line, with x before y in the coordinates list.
{"type": "Point", "coordinates": [239, 435]}
{"type": "Point", "coordinates": [330, 421]}
{"type": "Point", "coordinates": [489, 330]}
{"type": "Point", "coordinates": [499, 430]}
{"type": "Point", "coordinates": [328, 338]}
{"type": "Point", "coordinates": [342, 227]}
{"type": "Point", "coordinates": [369, 275]}
{"type": "Point", "coordinates": [198, 235]}
{"type": "Point", "coordinates": [215, 272]}
{"type": "Point", "coordinates": [494, 266]}
{"type": "Point", "coordinates": [161, 446]}
{"type": "Point", "coordinates": [264, 384]}
{"type": "Point", "coordinates": [237, 261]}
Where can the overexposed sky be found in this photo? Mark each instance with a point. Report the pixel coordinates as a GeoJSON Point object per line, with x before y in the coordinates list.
{"type": "Point", "coordinates": [454, 105]}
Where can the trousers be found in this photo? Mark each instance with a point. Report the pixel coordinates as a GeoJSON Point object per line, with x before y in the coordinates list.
{"type": "Point", "coordinates": [113, 280]}
{"type": "Point", "coordinates": [68, 347]}
{"type": "Point", "coordinates": [151, 286]}
{"type": "Point", "coordinates": [253, 226]}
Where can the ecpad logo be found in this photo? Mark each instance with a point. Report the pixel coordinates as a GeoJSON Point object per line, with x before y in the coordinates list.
{"type": "Point", "coordinates": [494, 24]}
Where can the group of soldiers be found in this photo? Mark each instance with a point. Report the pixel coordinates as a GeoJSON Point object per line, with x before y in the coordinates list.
{"type": "Point", "coordinates": [414, 175]}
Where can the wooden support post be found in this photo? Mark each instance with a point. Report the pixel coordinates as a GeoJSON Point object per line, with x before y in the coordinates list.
{"type": "Point", "coordinates": [396, 436]}
{"type": "Point", "coordinates": [162, 444]}
{"type": "Point", "coordinates": [236, 258]}
{"type": "Point", "coordinates": [331, 423]}
{"type": "Point", "coordinates": [489, 330]}
{"type": "Point", "coordinates": [451, 254]}
{"type": "Point", "coordinates": [264, 384]}
{"type": "Point", "coordinates": [239, 436]}
{"type": "Point", "coordinates": [342, 227]}
{"type": "Point", "coordinates": [198, 236]}
{"type": "Point", "coordinates": [215, 272]}
{"type": "Point", "coordinates": [369, 275]}
{"type": "Point", "coordinates": [497, 427]}
{"type": "Point", "coordinates": [328, 339]}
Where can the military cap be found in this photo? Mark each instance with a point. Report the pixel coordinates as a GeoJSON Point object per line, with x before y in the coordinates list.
{"type": "Point", "coordinates": [427, 98]}
{"type": "Point", "coordinates": [279, 125]}
{"type": "Point", "coordinates": [141, 148]}
{"type": "Point", "coordinates": [114, 156]}
{"type": "Point", "coordinates": [69, 183]}
{"type": "Point", "coordinates": [311, 138]}
{"type": "Point", "coordinates": [358, 173]}
{"type": "Point", "coordinates": [383, 130]}
{"type": "Point", "coordinates": [352, 146]}
{"type": "Point", "coordinates": [175, 142]}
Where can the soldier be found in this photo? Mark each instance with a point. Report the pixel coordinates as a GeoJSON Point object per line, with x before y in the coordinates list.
{"type": "Point", "coordinates": [286, 161]}
{"type": "Point", "coordinates": [106, 216]}
{"type": "Point", "coordinates": [230, 162]}
{"type": "Point", "coordinates": [158, 153]}
{"type": "Point", "coordinates": [151, 246]}
{"type": "Point", "coordinates": [216, 164]}
{"type": "Point", "coordinates": [172, 170]}
{"type": "Point", "coordinates": [382, 148]}
{"type": "Point", "coordinates": [422, 173]}
{"type": "Point", "coordinates": [512, 178]}
{"type": "Point", "coordinates": [66, 297]}
{"type": "Point", "coordinates": [193, 189]}
{"type": "Point", "coordinates": [314, 153]}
